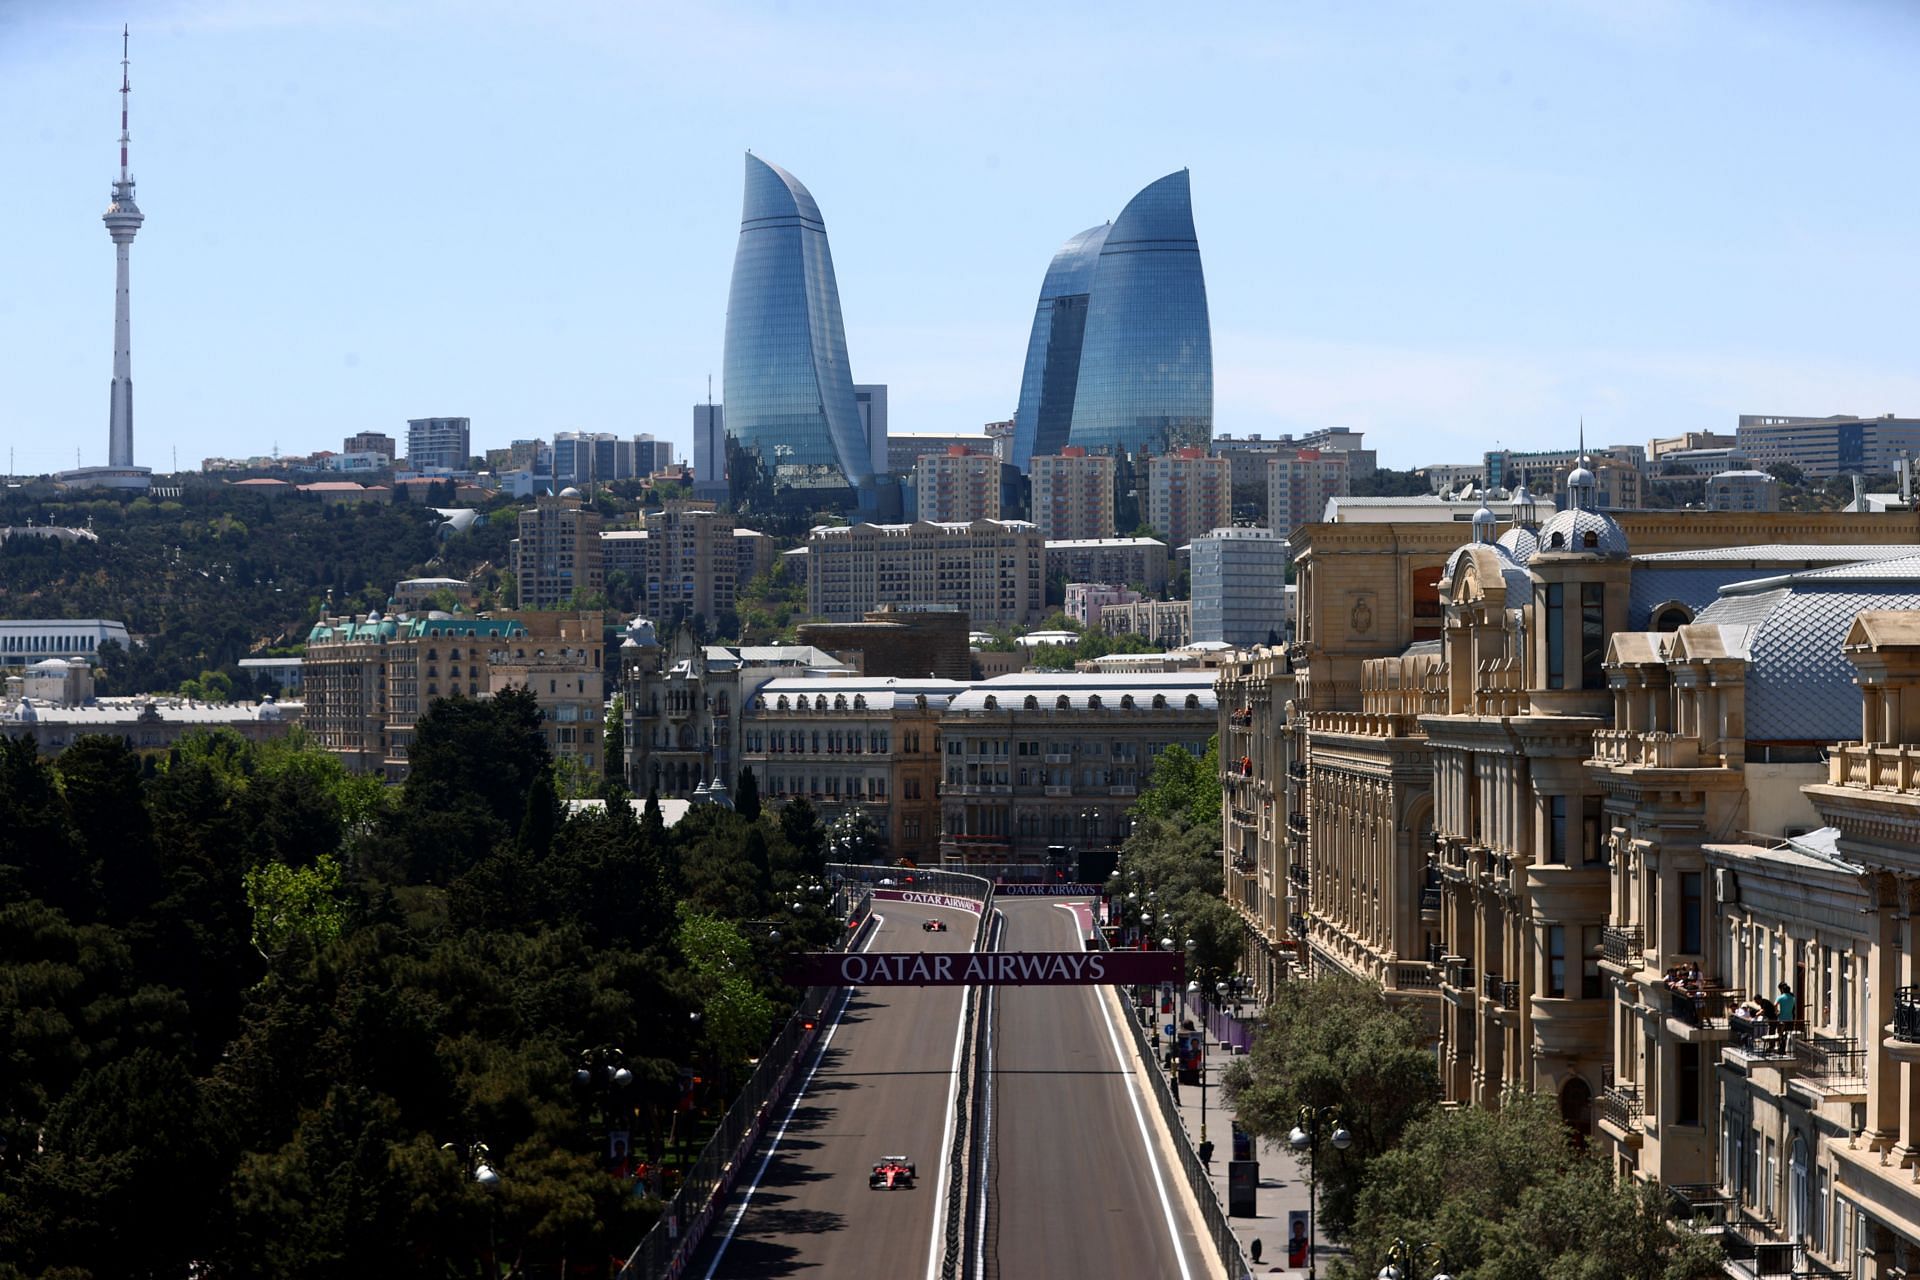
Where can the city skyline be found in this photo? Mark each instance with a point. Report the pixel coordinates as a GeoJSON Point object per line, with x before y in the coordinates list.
{"type": "Point", "coordinates": [1449, 234]}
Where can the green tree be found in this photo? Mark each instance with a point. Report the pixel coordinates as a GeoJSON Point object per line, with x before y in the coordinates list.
{"type": "Point", "coordinates": [735, 1017]}
{"type": "Point", "coordinates": [1336, 1042]}
{"type": "Point", "coordinates": [616, 739]}
{"type": "Point", "coordinates": [307, 902]}
{"type": "Point", "coordinates": [1506, 1193]}
{"type": "Point", "coordinates": [1184, 787]}
{"type": "Point", "coordinates": [746, 795]}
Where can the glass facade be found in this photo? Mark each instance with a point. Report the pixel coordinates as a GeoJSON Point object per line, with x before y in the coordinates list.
{"type": "Point", "coordinates": [1053, 351]}
{"type": "Point", "coordinates": [1146, 361]}
{"type": "Point", "coordinates": [788, 388]}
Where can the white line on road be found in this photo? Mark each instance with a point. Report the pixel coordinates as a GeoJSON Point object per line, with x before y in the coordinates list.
{"type": "Point", "coordinates": [937, 1240]}
{"type": "Point", "coordinates": [986, 1111]}
{"type": "Point", "coordinates": [1146, 1139]}
{"type": "Point", "coordinates": [819, 1056]}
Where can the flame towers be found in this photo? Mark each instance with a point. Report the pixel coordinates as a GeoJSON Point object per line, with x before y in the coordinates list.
{"type": "Point", "coordinates": [1121, 355]}
{"type": "Point", "coordinates": [792, 421]}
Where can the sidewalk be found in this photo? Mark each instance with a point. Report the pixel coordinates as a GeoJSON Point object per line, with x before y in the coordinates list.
{"type": "Point", "coordinates": [1283, 1180]}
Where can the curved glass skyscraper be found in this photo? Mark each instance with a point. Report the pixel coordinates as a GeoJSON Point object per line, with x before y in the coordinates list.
{"type": "Point", "coordinates": [1138, 356]}
{"type": "Point", "coordinates": [788, 389]}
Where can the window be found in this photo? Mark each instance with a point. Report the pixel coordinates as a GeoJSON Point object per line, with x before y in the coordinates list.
{"type": "Point", "coordinates": [1686, 1084]}
{"type": "Point", "coordinates": [1556, 635]}
{"type": "Point", "coordinates": [1556, 961]}
{"type": "Point", "coordinates": [1557, 830]}
{"type": "Point", "coordinates": [1593, 635]}
{"type": "Point", "coordinates": [1690, 913]}
{"type": "Point", "coordinates": [1591, 985]}
{"type": "Point", "coordinates": [1594, 849]}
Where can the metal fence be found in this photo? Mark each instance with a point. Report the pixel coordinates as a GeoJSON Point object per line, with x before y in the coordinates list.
{"type": "Point", "coordinates": [665, 1250]}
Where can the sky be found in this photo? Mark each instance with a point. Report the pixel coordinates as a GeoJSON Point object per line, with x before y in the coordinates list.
{"type": "Point", "coordinates": [1453, 226]}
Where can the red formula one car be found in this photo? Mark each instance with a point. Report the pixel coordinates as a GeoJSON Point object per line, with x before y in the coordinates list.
{"type": "Point", "coordinates": [935, 926]}
{"type": "Point", "coordinates": [892, 1173]}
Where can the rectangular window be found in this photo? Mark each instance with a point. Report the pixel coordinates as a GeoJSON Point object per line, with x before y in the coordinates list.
{"type": "Point", "coordinates": [1690, 907]}
{"type": "Point", "coordinates": [1556, 635]}
{"type": "Point", "coordinates": [1557, 830]}
{"type": "Point", "coordinates": [1686, 1084]}
{"type": "Point", "coordinates": [1591, 985]}
{"type": "Point", "coordinates": [1556, 961]}
{"type": "Point", "coordinates": [1593, 635]}
{"type": "Point", "coordinates": [1593, 834]}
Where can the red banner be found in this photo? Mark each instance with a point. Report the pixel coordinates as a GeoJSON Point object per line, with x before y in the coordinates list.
{"type": "Point", "coordinates": [985, 968]}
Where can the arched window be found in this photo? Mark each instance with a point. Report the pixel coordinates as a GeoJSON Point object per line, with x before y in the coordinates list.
{"type": "Point", "coordinates": [1063, 703]}
{"type": "Point", "coordinates": [1159, 702]}
{"type": "Point", "coordinates": [1576, 1108]}
{"type": "Point", "coordinates": [1558, 540]}
{"type": "Point", "coordinates": [1193, 702]}
{"type": "Point", "coordinates": [1032, 703]}
{"type": "Point", "coordinates": [1093, 700]}
{"type": "Point", "coordinates": [1671, 616]}
{"type": "Point", "coordinates": [1126, 701]}
{"type": "Point", "coordinates": [1590, 539]}
{"type": "Point", "coordinates": [993, 703]}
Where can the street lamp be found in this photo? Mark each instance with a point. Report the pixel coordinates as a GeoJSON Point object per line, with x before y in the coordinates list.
{"type": "Point", "coordinates": [1193, 988]}
{"type": "Point", "coordinates": [1306, 1137]}
{"type": "Point", "coordinates": [604, 1070]}
{"type": "Point", "coordinates": [1403, 1261]}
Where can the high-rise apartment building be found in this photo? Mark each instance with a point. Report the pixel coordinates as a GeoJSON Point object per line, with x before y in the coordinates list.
{"type": "Point", "coordinates": [1299, 482]}
{"type": "Point", "coordinates": [992, 569]}
{"type": "Point", "coordinates": [439, 443]}
{"type": "Point", "coordinates": [1189, 492]}
{"type": "Point", "coordinates": [1832, 446]}
{"type": "Point", "coordinates": [1250, 454]}
{"type": "Point", "coordinates": [684, 564]}
{"type": "Point", "coordinates": [371, 442]}
{"type": "Point", "coordinates": [1239, 586]}
{"type": "Point", "coordinates": [1140, 563]}
{"type": "Point", "coordinates": [1743, 491]}
{"type": "Point", "coordinates": [958, 485]}
{"type": "Point", "coordinates": [789, 389]}
{"type": "Point", "coordinates": [557, 557]}
{"type": "Point", "coordinates": [1120, 358]}
{"type": "Point", "coordinates": [1072, 494]}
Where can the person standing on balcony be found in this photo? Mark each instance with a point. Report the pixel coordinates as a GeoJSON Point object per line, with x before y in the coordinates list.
{"type": "Point", "coordinates": [1786, 1006]}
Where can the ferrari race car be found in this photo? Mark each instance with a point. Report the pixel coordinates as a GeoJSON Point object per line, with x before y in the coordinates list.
{"type": "Point", "coordinates": [891, 1173]}
{"type": "Point", "coordinates": [935, 926]}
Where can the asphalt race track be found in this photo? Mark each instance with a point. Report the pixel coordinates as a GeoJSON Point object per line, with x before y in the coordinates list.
{"type": "Point", "coordinates": [881, 1088]}
{"type": "Point", "coordinates": [1072, 1192]}
{"type": "Point", "coordinates": [1071, 1184]}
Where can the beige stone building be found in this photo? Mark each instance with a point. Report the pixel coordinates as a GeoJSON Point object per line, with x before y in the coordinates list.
{"type": "Point", "coordinates": [1253, 691]}
{"type": "Point", "coordinates": [1140, 563]}
{"type": "Point", "coordinates": [560, 660]}
{"type": "Point", "coordinates": [1189, 492]}
{"type": "Point", "coordinates": [1072, 495]}
{"type": "Point", "coordinates": [1168, 623]}
{"type": "Point", "coordinates": [557, 557]}
{"type": "Point", "coordinates": [851, 743]}
{"type": "Point", "coordinates": [957, 485]}
{"type": "Point", "coordinates": [1046, 760]}
{"type": "Point", "coordinates": [993, 570]}
{"type": "Point", "coordinates": [687, 562]}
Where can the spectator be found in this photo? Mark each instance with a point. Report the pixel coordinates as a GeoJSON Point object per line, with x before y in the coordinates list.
{"type": "Point", "coordinates": [1786, 1006]}
{"type": "Point", "coordinates": [1205, 1151]}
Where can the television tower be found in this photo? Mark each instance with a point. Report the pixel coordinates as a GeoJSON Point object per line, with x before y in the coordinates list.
{"type": "Point", "coordinates": [123, 219]}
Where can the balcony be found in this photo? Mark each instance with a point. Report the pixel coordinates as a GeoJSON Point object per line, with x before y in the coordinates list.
{"type": "Point", "coordinates": [1646, 750]}
{"type": "Point", "coordinates": [1619, 1106]}
{"type": "Point", "coordinates": [1828, 1060]}
{"type": "Point", "coordinates": [1459, 974]}
{"type": "Point", "coordinates": [1707, 1009]}
{"type": "Point", "coordinates": [1055, 790]}
{"type": "Point", "coordinates": [1504, 994]}
{"type": "Point", "coordinates": [1753, 1252]}
{"type": "Point", "coordinates": [1297, 771]}
{"type": "Point", "coordinates": [1297, 822]}
{"type": "Point", "coordinates": [1297, 873]}
{"type": "Point", "coordinates": [1623, 946]}
{"type": "Point", "coordinates": [1699, 1205]}
{"type": "Point", "coordinates": [1765, 1039]}
{"type": "Point", "coordinates": [1414, 977]}
{"type": "Point", "coordinates": [1906, 1015]}
{"type": "Point", "coordinates": [1127, 789]}
{"type": "Point", "coordinates": [1874, 768]}
{"type": "Point", "coordinates": [1058, 757]}
{"type": "Point", "coordinates": [1430, 899]}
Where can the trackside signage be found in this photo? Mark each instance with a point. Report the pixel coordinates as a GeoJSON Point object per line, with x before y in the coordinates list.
{"type": "Point", "coordinates": [927, 899]}
{"type": "Point", "coordinates": [988, 968]}
{"type": "Point", "coordinates": [1045, 890]}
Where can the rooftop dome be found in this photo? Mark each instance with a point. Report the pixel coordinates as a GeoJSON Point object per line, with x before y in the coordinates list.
{"type": "Point", "coordinates": [1483, 524]}
{"type": "Point", "coordinates": [569, 492]}
{"type": "Point", "coordinates": [640, 634]}
{"type": "Point", "coordinates": [1578, 531]}
{"type": "Point", "coordinates": [1521, 542]}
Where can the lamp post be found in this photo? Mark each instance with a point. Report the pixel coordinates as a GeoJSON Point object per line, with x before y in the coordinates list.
{"type": "Point", "coordinates": [1306, 1137]}
{"type": "Point", "coordinates": [479, 1161]}
{"type": "Point", "coordinates": [605, 1070]}
{"type": "Point", "coordinates": [1403, 1261]}
{"type": "Point", "coordinates": [1193, 988]}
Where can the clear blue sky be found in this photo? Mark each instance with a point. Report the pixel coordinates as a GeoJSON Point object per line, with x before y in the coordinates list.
{"type": "Point", "coordinates": [1449, 225]}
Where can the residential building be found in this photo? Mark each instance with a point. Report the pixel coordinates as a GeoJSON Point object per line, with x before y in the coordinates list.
{"type": "Point", "coordinates": [1041, 760]}
{"type": "Point", "coordinates": [1545, 470]}
{"type": "Point", "coordinates": [557, 558]}
{"type": "Point", "coordinates": [1743, 491]}
{"type": "Point", "coordinates": [1239, 587]}
{"type": "Point", "coordinates": [893, 642]}
{"type": "Point", "coordinates": [1167, 623]}
{"type": "Point", "coordinates": [1140, 563]}
{"type": "Point", "coordinates": [790, 407]}
{"type": "Point", "coordinates": [855, 744]}
{"type": "Point", "coordinates": [1837, 445]}
{"type": "Point", "coordinates": [24, 641]}
{"type": "Point", "coordinates": [1072, 494]}
{"type": "Point", "coordinates": [1252, 690]}
{"type": "Point", "coordinates": [1001, 435]}
{"type": "Point", "coordinates": [990, 569]}
{"type": "Point", "coordinates": [1299, 483]}
{"type": "Point", "coordinates": [374, 442]}
{"type": "Point", "coordinates": [684, 564]}
{"type": "Point", "coordinates": [753, 555]}
{"type": "Point", "coordinates": [1086, 600]}
{"type": "Point", "coordinates": [904, 448]}
{"type": "Point", "coordinates": [559, 660]}
{"type": "Point", "coordinates": [710, 453]}
{"type": "Point", "coordinates": [957, 486]}
{"type": "Point", "coordinates": [1120, 358]}
{"type": "Point", "coordinates": [443, 444]}
{"type": "Point", "coordinates": [1189, 492]}
{"type": "Point", "coordinates": [681, 725]}
{"type": "Point", "coordinates": [1249, 455]}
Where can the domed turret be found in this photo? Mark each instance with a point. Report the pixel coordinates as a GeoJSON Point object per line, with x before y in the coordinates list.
{"type": "Point", "coordinates": [641, 634]}
{"type": "Point", "coordinates": [1484, 524]}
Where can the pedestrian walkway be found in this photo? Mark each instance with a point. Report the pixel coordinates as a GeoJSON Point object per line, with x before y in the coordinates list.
{"type": "Point", "coordinates": [1282, 1188]}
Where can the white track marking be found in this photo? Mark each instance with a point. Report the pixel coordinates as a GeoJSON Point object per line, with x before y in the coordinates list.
{"type": "Point", "coordinates": [936, 1244]}
{"type": "Point", "coordinates": [820, 1055]}
{"type": "Point", "coordinates": [1146, 1138]}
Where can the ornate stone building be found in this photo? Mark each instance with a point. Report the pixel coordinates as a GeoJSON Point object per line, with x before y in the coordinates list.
{"type": "Point", "coordinates": [1254, 692]}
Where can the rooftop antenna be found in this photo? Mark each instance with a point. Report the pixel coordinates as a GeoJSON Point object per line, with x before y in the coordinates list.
{"type": "Point", "coordinates": [126, 87]}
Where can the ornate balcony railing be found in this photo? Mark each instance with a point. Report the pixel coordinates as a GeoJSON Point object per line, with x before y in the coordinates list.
{"type": "Point", "coordinates": [1297, 873]}
{"type": "Point", "coordinates": [1460, 975]}
{"type": "Point", "coordinates": [1414, 977]}
{"type": "Point", "coordinates": [1906, 1014]}
{"type": "Point", "coordinates": [1297, 925]}
{"type": "Point", "coordinates": [1297, 821]}
{"type": "Point", "coordinates": [1622, 945]}
{"type": "Point", "coordinates": [1656, 750]}
{"type": "Point", "coordinates": [1699, 1205]}
{"type": "Point", "coordinates": [1430, 899]}
{"type": "Point", "coordinates": [1619, 1106]}
{"type": "Point", "coordinates": [1894, 768]}
{"type": "Point", "coordinates": [1819, 1057]}
{"type": "Point", "coordinates": [1709, 1007]}
{"type": "Point", "coordinates": [1490, 987]}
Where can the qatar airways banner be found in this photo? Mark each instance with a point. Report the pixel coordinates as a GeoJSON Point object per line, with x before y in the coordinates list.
{"type": "Point", "coordinates": [1045, 890]}
{"type": "Point", "coordinates": [985, 968]}
{"type": "Point", "coordinates": [927, 899]}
